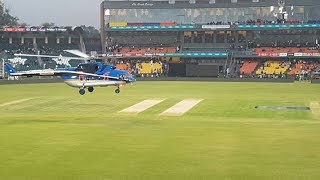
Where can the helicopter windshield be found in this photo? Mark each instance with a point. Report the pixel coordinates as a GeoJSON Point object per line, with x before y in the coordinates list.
{"type": "Point", "coordinates": [88, 68]}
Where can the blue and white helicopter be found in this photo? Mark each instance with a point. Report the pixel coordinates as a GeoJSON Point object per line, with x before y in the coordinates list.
{"type": "Point", "coordinates": [85, 75]}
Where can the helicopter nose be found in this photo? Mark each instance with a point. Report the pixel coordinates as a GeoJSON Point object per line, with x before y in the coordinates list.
{"type": "Point", "coordinates": [132, 79]}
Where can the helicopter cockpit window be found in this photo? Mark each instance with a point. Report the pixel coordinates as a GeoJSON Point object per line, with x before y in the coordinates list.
{"type": "Point", "coordinates": [88, 68]}
{"type": "Point", "coordinates": [79, 68]}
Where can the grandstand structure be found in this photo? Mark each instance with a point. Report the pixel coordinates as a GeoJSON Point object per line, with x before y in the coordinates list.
{"type": "Point", "coordinates": [45, 41]}
{"type": "Point", "coordinates": [239, 37]}
{"type": "Point", "coordinates": [195, 38]}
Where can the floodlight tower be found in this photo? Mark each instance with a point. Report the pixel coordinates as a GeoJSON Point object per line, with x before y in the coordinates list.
{"type": "Point", "coordinates": [282, 9]}
{"type": "Point", "coordinates": [103, 28]}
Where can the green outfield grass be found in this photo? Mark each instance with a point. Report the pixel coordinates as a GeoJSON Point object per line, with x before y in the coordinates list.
{"type": "Point", "coordinates": [57, 134]}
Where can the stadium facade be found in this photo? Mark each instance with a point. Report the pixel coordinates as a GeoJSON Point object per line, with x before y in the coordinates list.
{"type": "Point", "coordinates": [202, 11]}
{"type": "Point", "coordinates": [265, 38]}
{"type": "Point", "coordinates": [42, 40]}
{"type": "Point", "coordinates": [216, 33]}
{"type": "Point", "coordinates": [195, 12]}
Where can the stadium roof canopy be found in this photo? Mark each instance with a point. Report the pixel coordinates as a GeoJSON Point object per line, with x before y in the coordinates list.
{"type": "Point", "coordinates": [210, 3]}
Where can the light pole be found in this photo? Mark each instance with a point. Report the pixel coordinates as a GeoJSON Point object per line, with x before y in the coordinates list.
{"type": "Point", "coordinates": [102, 27]}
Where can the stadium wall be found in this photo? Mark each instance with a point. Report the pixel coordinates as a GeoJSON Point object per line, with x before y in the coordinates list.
{"type": "Point", "coordinates": [201, 79]}
{"type": "Point", "coordinates": [209, 79]}
{"type": "Point", "coordinates": [30, 81]}
{"type": "Point", "coordinates": [315, 81]}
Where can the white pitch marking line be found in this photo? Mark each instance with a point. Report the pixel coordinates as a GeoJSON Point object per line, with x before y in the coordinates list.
{"type": "Point", "coordinates": [15, 102]}
{"type": "Point", "coordinates": [142, 106]}
{"type": "Point", "coordinates": [182, 107]}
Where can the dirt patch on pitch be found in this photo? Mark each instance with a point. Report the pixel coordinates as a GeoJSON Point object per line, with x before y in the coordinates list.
{"type": "Point", "coordinates": [283, 108]}
{"type": "Point", "coordinates": [15, 102]}
{"type": "Point", "coordinates": [315, 109]}
{"type": "Point", "coordinates": [182, 107]}
{"type": "Point", "coordinates": [142, 106]}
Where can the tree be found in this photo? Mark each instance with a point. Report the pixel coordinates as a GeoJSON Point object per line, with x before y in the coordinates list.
{"type": "Point", "coordinates": [47, 25]}
{"type": "Point", "coordinates": [5, 18]}
{"type": "Point", "coordinates": [90, 31]}
{"type": "Point", "coordinates": [23, 24]}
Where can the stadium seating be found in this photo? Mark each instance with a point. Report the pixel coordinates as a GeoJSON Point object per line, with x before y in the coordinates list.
{"type": "Point", "coordinates": [248, 67]}
{"type": "Point", "coordinates": [124, 24]}
{"type": "Point", "coordinates": [318, 68]}
{"type": "Point", "coordinates": [273, 67]}
{"type": "Point", "coordinates": [123, 66]}
{"type": "Point", "coordinates": [17, 48]}
{"type": "Point", "coordinates": [117, 24]}
{"type": "Point", "coordinates": [56, 49]}
{"type": "Point", "coordinates": [149, 68]}
{"type": "Point", "coordinates": [260, 22]}
{"type": "Point", "coordinates": [302, 66]}
{"type": "Point", "coordinates": [143, 51]}
{"type": "Point", "coordinates": [285, 50]}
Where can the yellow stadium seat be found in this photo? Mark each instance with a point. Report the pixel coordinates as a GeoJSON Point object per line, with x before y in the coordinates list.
{"type": "Point", "coordinates": [149, 68]}
{"type": "Point", "coordinates": [273, 67]}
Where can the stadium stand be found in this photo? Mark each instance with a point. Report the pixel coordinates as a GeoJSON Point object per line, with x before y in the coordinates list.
{"type": "Point", "coordinates": [155, 50]}
{"type": "Point", "coordinates": [260, 22]}
{"type": "Point", "coordinates": [126, 66]}
{"type": "Point", "coordinates": [124, 24]}
{"type": "Point", "coordinates": [285, 50]}
{"type": "Point", "coordinates": [248, 67]}
{"type": "Point", "coordinates": [273, 67]}
{"type": "Point", "coordinates": [137, 39]}
{"type": "Point", "coordinates": [146, 69]}
{"type": "Point", "coordinates": [302, 67]}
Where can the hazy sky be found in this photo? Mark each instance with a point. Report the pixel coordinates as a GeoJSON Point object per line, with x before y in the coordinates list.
{"type": "Point", "coordinates": [60, 12]}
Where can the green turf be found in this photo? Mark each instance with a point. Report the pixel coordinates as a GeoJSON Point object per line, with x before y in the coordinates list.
{"type": "Point", "coordinates": [61, 135]}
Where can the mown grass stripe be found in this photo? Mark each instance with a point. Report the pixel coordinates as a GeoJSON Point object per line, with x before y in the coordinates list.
{"type": "Point", "coordinates": [15, 102]}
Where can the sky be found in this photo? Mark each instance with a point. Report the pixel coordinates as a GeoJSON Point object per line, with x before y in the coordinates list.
{"type": "Point", "coordinates": [60, 12]}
